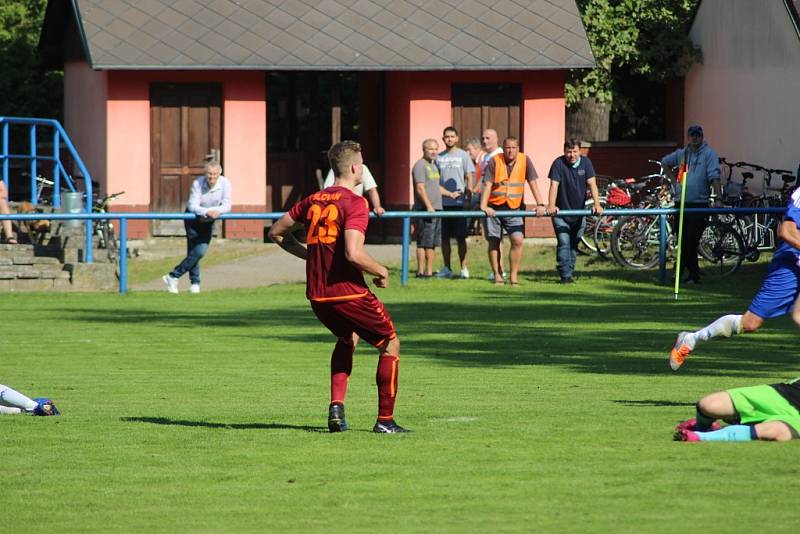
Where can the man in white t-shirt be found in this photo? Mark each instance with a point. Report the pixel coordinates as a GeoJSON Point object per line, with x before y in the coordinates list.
{"type": "Point", "coordinates": [368, 186]}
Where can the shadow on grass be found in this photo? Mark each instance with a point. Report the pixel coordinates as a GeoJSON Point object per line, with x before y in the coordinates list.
{"type": "Point", "coordinates": [231, 426]}
{"type": "Point", "coordinates": [652, 403]}
{"type": "Point", "coordinates": [601, 325]}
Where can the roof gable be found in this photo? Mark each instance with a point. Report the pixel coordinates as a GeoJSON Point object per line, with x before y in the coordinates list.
{"type": "Point", "coordinates": [329, 34]}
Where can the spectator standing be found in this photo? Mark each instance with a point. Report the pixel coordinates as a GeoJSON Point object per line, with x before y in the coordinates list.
{"type": "Point", "coordinates": [427, 197]}
{"type": "Point", "coordinates": [457, 171]}
{"type": "Point", "coordinates": [702, 176]}
{"type": "Point", "coordinates": [491, 148]}
{"type": "Point", "coordinates": [504, 189]}
{"type": "Point", "coordinates": [570, 175]}
{"type": "Point", "coordinates": [209, 198]}
{"type": "Point", "coordinates": [473, 147]}
{"type": "Point", "coordinates": [368, 188]}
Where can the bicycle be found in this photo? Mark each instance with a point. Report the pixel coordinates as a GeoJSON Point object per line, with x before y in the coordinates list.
{"type": "Point", "coordinates": [759, 230]}
{"type": "Point", "coordinates": [635, 239]}
{"type": "Point", "coordinates": [104, 228]}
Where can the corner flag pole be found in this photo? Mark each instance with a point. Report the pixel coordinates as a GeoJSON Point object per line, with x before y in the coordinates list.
{"type": "Point", "coordinates": [682, 173]}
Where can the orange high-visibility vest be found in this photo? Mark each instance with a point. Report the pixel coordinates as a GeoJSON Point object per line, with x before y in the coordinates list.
{"type": "Point", "coordinates": [508, 189]}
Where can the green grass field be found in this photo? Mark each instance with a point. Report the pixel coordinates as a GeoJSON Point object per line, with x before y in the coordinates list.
{"type": "Point", "coordinates": [538, 408]}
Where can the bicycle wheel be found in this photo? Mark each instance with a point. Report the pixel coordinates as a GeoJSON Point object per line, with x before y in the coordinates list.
{"type": "Point", "coordinates": [602, 234]}
{"type": "Point", "coordinates": [721, 250]}
{"type": "Point", "coordinates": [110, 240]}
{"type": "Point", "coordinates": [635, 241]}
{"type": "Point", "coordinates": [587, 245]}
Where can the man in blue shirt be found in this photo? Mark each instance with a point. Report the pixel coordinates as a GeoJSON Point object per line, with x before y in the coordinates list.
{"type": "Point", "coordinates": [702, 176]}
{"type": "Point", "coordinates": [570, 175]}
{"type": "Point", "coordinates": [778, 294]}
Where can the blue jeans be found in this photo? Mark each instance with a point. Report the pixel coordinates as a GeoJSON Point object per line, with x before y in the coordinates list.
{"type": "Point", "coordinates": [568, 234]}
{"type": "Point", "coordinates": [198, 236]}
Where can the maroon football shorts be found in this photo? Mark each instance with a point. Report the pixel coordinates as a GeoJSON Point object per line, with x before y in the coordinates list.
{"type": "Point", "coordinates": [366, 316]}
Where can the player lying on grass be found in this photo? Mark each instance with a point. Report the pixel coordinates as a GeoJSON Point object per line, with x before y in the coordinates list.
{"type": "Point", "coordinates": [778, 294]}
{"type": "Point", "coordinates": [766, 412]}
{"type": "Point", "coordinates": [14, 402]}
{"type": "Point", "coordinates": [336, 223]}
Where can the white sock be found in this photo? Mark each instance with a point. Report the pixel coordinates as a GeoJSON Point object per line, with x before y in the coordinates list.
{"type": "Point", "coordinates": [725, 326]}
{"type": "Point", "coordinates": [7, 410]}
{"type": "Point", "coordinates": [12, 398]}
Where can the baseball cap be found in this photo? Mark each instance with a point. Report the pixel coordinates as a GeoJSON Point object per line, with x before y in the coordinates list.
{"type": "Point", "coordinates": [695, 130]}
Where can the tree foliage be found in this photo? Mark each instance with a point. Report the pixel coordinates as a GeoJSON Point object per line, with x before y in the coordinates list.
{"type": "Point", "coordinates": [27, 89]}
{"type": "Point", "coordinates": [647, 38]}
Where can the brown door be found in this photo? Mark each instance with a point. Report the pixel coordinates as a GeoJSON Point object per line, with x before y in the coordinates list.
{"type": "Point", "coordinates": [186, 128]}
{"type": "Point", "coordinates": [480, 106]}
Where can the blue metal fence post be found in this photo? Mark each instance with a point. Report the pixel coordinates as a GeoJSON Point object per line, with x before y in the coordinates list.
{"type": "Point", "coordinates": [34, 200]}
{"type": "Point", "coordinates": [5, 153]}
{"type": "Point", "coordinates": [56, 168]}
{"type": "Point", "coordinates": [404, 258]}
{"type": "Point", "coordinates": [123, 255]}
{"type": "Point", "coordinates": [662, 248]}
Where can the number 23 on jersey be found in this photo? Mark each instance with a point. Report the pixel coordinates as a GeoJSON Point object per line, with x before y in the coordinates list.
{"type": "Point", "coordinates": [322, 224]}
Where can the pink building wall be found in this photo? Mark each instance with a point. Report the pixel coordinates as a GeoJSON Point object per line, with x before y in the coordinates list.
{"type": "Point", "coordinates": [111, 127]}
{"type": "Point", "coordinates": [418, 106]}
{"type": "Point", "coordinates": [85, 117]}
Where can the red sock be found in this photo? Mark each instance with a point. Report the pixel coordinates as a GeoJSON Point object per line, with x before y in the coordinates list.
{"type": "Point", "coordinates": [341, 367]}
{"type": "Point", "coordinates": [386, 379]}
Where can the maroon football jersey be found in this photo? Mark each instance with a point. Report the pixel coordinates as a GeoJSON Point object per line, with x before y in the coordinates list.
{"type": "Point", "coordinates": [326, 215]}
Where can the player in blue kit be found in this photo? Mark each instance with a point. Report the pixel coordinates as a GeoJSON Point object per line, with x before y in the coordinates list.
{"type": "Point", "coordinates": [778, 294]}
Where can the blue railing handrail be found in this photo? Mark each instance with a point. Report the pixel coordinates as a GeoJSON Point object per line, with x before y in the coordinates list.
{"type": "Point", "coordinates": [406, 216]}
{"type": "Point", "coordinates": [59, 136]}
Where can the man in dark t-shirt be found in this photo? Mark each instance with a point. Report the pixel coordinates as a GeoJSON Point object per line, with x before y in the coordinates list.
{"type": "Point", "coordinates": [570, 175]}
{"type": "Point", "coordinates": [336, 223]}
{"type": "Point", "coordinates": [765, 412]}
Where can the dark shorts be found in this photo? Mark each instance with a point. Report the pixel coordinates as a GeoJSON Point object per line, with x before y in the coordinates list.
{"type": "Point", "coordinates": [366, 316]}
{"type": "Point", "coordinates": [494, 227]}
{"type": "Point", "coordinates": [454, 228]}
{"type": "Point", "coordinates": [429, 232]}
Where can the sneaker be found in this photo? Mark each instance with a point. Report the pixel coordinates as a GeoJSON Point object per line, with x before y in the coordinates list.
{"type": "Point", "coordinates": [336, 420]}
{"type": "Point", "coordinates": [45, 407]}
{"type": "Point", "coordinates": [491, 276]}
{"type": "Point", "coordinates": [691, 425]}
{"type": "Point", "coordinates": [464, 274]}
{"type": "Point", "coordinates": [684, 345]}
{"type": "Point", "coordinates": [172, 283]}
{"type": "Point", "coordinates": [388, 427]}
{"type": "Point", "coordinates": [685, 435]}
{"type": "Point", "coordinates": [445, 272]}
{"type": "Point", "coordinates": [194, 288]}
{"type": "Point", "coordinates": [566, 280]}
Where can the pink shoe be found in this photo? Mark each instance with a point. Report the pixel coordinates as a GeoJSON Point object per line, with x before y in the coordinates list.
{"type": "Point", "coordinates": [685, 435]}
{"type": "Point", "coordinates": [691, 425]}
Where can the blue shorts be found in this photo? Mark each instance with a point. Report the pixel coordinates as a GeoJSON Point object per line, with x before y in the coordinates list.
{"type": "Point", "coordinates": [779, 290]}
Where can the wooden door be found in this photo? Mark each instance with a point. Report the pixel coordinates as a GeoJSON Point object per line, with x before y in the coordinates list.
{"type": "Point", "coordinates": [477, 107]}
{"type": "Point", "coordinates": [185, 130]}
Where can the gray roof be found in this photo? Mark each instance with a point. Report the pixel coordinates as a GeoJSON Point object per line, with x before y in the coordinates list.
{"type": "Point", "coordinates": [323, 34]}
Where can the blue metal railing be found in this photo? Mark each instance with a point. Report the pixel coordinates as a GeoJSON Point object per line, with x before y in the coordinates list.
{"type": "Point", "coordinates": [406, 216]}
{"type": "Point", "coordinates": [59, 171]}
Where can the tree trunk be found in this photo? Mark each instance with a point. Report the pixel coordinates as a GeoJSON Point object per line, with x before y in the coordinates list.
{"type": "Point", "coordinates": [588, 120]}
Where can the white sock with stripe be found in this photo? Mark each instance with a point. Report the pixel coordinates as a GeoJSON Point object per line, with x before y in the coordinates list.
{"type": "Point", "coordinates": [725, 326]}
